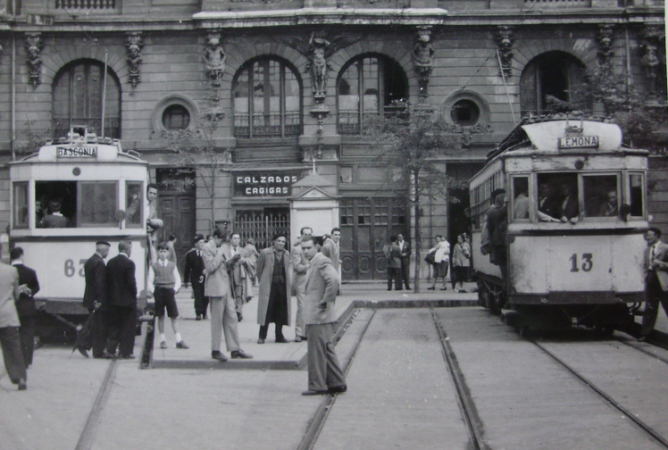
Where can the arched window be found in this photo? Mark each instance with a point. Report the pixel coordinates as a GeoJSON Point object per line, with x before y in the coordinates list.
{"type": "Point", "coordinates": [77, 99]}
{"type": "Point", "coordinates": [369, 85]}
{"type": "Point", "coordinates": [552, 74]}
{"type": "Point", "coordinates": [267, 100]}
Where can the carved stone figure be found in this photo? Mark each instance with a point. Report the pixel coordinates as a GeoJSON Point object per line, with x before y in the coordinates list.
{"type": "Point", "coordinates": [605, 53]}
{"type": "Point", "coordinates": [653, 57]}
{"type": "Point", "coordinates": [34, 46]}
{"type": "Point", "coordinates": [504, 39]}
{"type": "Point", "coordinates": [423, 55]}
{"type": "Point", "coordinates": [214, 58]}
{"type": "Point", "coordinates": [134, 44]}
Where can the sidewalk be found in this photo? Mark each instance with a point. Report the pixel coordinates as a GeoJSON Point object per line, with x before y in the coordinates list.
{"type": "Point", "coordinates": [197, 334]}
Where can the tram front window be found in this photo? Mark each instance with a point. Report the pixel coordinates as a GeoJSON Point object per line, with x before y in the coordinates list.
{"type": "Point", "coordinates": [98, 204]}
{"type": "Point", "coordinates": [56, 204]}
{"type": "Point", "coordinates": [133, 201]}
{"type": "Point", "coordinates": [558, 197]}
{"type": "Point", "coordinates": [21, 204]}
{"type": "Point", "coordinates": [601, 195]}
{"type": "Point", "coordinates": [637, 195]}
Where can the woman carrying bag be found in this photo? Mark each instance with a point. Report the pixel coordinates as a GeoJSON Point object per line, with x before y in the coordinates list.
{"type": "Point", "coordinates": [441, 261]}
{"type": "Point", "coordinates": [461, 260]}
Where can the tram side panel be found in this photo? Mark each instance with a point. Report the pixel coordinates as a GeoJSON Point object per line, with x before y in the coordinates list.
{"type": "Point", "coordinates": [60, 270]}
{"type": "Point", "coordinates": [542, 267]}
{"type": "Point", "coordinates": [481, 263]}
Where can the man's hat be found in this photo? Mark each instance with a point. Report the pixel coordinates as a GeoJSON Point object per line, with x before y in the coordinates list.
{"type": "Point", "coordinates": [496, 192]}
{"type": "Point", "coordinates": [55, 203]}
{"type": "Point", "coordinates": [103, 243]}
{"type": "Point", "coordinates": [198, 237]}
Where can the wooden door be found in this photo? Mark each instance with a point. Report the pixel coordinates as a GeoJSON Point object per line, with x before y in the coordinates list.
{"type": "Point", "coordinates": [177, 210]}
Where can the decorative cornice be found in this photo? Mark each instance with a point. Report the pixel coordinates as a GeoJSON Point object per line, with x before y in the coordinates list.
{"type": "Point", "coordinates": [134, 43]}
{"type": "Point", "coordinates": [34, 46]}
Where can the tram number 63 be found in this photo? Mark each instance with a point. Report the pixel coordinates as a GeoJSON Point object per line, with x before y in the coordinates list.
{"type": "Point", "coordinates": [70, 270]}
{"type": "Point", "coordinates": [587, 262]}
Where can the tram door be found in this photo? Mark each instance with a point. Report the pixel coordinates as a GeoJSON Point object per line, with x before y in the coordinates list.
{"type": "Point", "coordinates": [366, 226]}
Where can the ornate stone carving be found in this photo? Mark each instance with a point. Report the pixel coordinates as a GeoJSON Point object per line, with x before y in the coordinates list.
{"type": "Point", "coordinates": [317, 50]}
{"type": "Point", "coordinates": [214, 58]}
{"type": "Point", "coordinates": [604, 38]}
{"type": "Point", "coordinates": [652, 46]}
{"type": "Point", "coordinates": [504, 39]}
{"type": "Point", "coordinates": [34, 46]}
{"type": "Point", "coordinates": [134, 42]}
{"type": "Point", "coordinates": [423, 58]}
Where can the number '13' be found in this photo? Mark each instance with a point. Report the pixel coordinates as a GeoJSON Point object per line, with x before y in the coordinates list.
{"type": "Point", "coordinates": [587, 262]}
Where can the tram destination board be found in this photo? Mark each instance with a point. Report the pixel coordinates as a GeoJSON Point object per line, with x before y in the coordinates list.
{"type": "Point", "coordinates": [578, 142]}
{"type": "Point", "coordinates": [77, 152]}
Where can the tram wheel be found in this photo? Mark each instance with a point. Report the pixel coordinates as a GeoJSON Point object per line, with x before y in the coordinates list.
{"type": "Point", "coordinates": [605, 331]}
{"type": "Point", "coordinates": [492, 304]}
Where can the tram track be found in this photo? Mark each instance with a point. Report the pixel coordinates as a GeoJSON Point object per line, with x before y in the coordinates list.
{"type": "Point", "coordinates": [610, 400]}
{"type": "Point", "coordinates": [87, 436]}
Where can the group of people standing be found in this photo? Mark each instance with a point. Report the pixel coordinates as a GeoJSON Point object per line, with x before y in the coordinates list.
{"type": "Point", "coordinates": [439, 257]}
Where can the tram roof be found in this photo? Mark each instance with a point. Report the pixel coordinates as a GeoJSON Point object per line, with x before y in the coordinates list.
{"type": "Point", "coordinates": [557, 132]}
{"type": "Point", "coordinates": [82, 152]}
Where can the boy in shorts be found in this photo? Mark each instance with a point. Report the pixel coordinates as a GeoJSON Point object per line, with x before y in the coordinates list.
{"type": "Point", "coordinates": [164, 281]}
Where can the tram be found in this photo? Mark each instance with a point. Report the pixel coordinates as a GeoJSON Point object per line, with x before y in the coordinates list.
{"type": "Point", "coordinates": [74, 192]}
{"type": "Point", "coordinates": [576, 213]}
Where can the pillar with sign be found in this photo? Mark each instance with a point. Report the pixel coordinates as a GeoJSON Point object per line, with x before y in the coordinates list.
{"type": "Point", "coordinates": [315, 204]}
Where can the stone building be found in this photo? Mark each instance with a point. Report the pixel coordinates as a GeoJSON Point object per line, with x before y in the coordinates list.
{"type": "Point", "coordinates": [287, 84]}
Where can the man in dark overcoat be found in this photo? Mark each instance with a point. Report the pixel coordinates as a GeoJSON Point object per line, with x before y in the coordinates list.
{"type": "Point", "coordinates": [194, 274]}
{"type": "Point", "coordinates": [274, 270]}
{"type": "Point", "coordinates": [95, 299]}
{"type": "Point", "coordinates": [122, 303]}
{"type": "Point", "coordinates": [25, 304]}
{"type": "Point", "coordinates": [405, 249]}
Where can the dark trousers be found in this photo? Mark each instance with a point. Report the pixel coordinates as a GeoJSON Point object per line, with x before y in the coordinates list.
{"type": "Point", "coordinates": [27, 335]}
{"type": "Point", "coordinates": [201, 301]}
{"type": "Point", "coordinates": [324, 370]}
{"type": "Point", "coordinates": [264, 329]}
{"type": "Point", "coordinates": [654, 295]}
{"type": "Point", "coordinates": [97, 339]}
{"type": "Point", "coordinates": [11, 352]}
{"type": "Point", "coordinates": [122, 323]}
{"type": "Point", "coordinates": [405, 269]}
{"type": "Point", "coordinates": [394, 273]}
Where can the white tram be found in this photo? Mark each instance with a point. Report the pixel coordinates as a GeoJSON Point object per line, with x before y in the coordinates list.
{"type": "Point", "coordinates": [98, 193]}
{"type": "Point", "coordinates": [566, 265]}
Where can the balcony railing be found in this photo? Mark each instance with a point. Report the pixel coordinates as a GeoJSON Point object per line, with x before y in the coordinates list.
{"type": "Point", "coordinates": [267, 125]}
{"type": "Point", "coordinates": [85, 4]}
{"type": "Point", "coordinates": [112, 126]}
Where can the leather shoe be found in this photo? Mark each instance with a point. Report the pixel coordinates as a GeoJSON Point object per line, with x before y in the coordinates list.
{"type": "Point", "coordinates": [83, 351]}
{"type": "Point", "coordinates": [260, 341]}
{"type": "Point", "coordinates": [309, 392]}
{"type": "Point", "coordinates": [431, 289]}
{"type": "Point", "coordinates": [281, 340]}
{"type": "Point", "coordinates": [22, 384]}
{"type": "Point", "coordinates": [337, 389]}
{"type": "Point", "coordinates": [199, 317]}
{"type": "Point", "coordinates": [643, 338]}
{"type": "Point", "coordinates": [126, 357]}
{"type": "Point", "coordinates": [298, 339]}
{"type": "Point", "coordinates": [182, 344]}
{"type": "Point", "coordinates": [163, 345]}
{"type": "Point", "coordinates": [240, 354]}
{"type": "Point", "coordinates": [107, 355]}
{"type": "Point", "coordinates": [219, 356]}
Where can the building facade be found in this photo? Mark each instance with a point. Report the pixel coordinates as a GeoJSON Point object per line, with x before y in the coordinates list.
{"type": "Point", "coordinates": [273, 90]}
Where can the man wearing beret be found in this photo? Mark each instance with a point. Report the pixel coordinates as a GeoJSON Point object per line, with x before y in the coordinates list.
{"type": "Point", "coordinates": [194, 274]}
{"type": "Point", "coordinates": [95, 299]}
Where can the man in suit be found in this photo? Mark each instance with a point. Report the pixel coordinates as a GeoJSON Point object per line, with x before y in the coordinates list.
{"type": "Point", "coordinates": [393, 256]}
{"type": "Point", "coordinates": [9, 326]}
{"type": "Point", "coordinates": [194, 274]}
{"type": "Point", "coordinates": [656, 280]}
{"type": "Point", "coordinates": [25, 304]}
{"type": "Point", "coordinates": [331, 248]}
{"type": "Point", "coordinates": [122, 303]}
{"type": "Point", "coordinates": [236, 274]}
{"type": "Point", "coordinates": [405, 252]}
{"type": "Point", "coordinates": [95, 299]}
{"type": "Point", "coordinates": [217, 288]}
{"type": "Point", "coordinates": [275, 274]}
{"type": "Point", "coordinates": [55, 218]}
{"type": "Point", "coordinates": [569, 209]}
{"type": "Point", "coordinates": [300, 265]}
{"type": "Point", "coordinates": [322, 282]}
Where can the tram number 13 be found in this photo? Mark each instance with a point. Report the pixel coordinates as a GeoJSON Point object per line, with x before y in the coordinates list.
{"type": "Point", "coordinates": [587, 262]}
{"type": "Point", "coordinates": [70, 270]}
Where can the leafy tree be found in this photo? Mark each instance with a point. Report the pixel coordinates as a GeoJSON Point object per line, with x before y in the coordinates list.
{"type": "Point", "coordinates": [412, 148]}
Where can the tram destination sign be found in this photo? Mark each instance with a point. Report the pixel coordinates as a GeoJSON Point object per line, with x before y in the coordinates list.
{"type": "Point", "coordinates": [578, 142]}
{"type": "Point", "coordinates": [265, 184]}
{"type": "Point", "coordinates": [87, 151]}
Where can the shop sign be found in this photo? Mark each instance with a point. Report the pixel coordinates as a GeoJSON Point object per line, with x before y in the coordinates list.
{"type": "Point", "coordinates": [262, 184]}
{"type": "Point", "coordinates": [77, 152]}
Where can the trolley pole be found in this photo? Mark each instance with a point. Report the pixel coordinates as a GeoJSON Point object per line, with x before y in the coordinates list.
{"type": "Point", "coordinates": [104, 88]}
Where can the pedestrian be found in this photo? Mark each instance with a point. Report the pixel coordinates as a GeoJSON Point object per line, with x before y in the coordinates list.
{"type": "Point", "coordinates": [9, 326]}
{"type": "Point", "coordinates": [171, 243]}
{"type": "Point", "coordinates": [153, 223]}
{"type": "Point", "coordinates": [393, 256]}
{"type": "Point", "coordinates": [322, 282]}
{"type": "Point", "coordinates": [25, 304]}
{"type": "Point", "coordinates": [331, 248]}
{"type": "Point", "coordinates": [274, 270]}
{"type": "Point", "coordinates": [441, 261]}
{"type": "Point", "coordinates": [194, 274]}
{"type": "Point", "coordinates": [405, 250]}
{"type": "Point", "coordinates": [497, 226]}
{"type": "Point", "coordinates": [461, 260]}
{"type": "Point", "coordinates": [95, 300]}
{"type": "Point", "coordinates": [300, 265]}
{"type": "Point", "coordinates": [251, 254]}
{"type": "Point", "coordinates": [122, 303]}
{"type": "Point", "coordinates": [237, 273]}
{"type": "Point", "coordinates": [164, 282]}
{"type": "Point", "coordinates": [217, 288]}
{"type": "Point", "coordinates": [656, 280]}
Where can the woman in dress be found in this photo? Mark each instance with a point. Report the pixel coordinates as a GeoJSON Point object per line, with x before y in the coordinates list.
{"type": "Point", "coordinates": [441, 261]}
{"type": "Point", "coordinates": [461, 260]}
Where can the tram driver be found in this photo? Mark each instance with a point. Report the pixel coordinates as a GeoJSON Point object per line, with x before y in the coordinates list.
{"type": "Point", "coordinates": [54, 218]}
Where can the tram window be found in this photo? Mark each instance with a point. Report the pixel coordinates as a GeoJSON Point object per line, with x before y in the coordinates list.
{"type": "Point", "coordinates": [133, 202]}
{"type": "Point", "coordinates": [601, 195]}
{"type": "Point", "coordinates": [557, 197]}
{"type": "Point", "coordinates": [98, 204]}
{"type": "Point", "coordinates": [637, 195]}
{"type": "Point", "coordinates": [520, 198]}
{"type": "Point", "coordinates": [56, 203]}
{"type": "Point", "coordinates": [21, 204]}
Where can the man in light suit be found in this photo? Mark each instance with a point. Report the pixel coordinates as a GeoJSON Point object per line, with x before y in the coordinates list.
{"type": "Point", "coordinates": [300, 266]}
{"type": "Point", "coordinates": [9, 326]}
{"type": "Point", "coordinates": [217, 288]}
{"type": "Point", "coordinates": [322, 282]}
{"type": "Point", "coordinates": [656, 280]}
